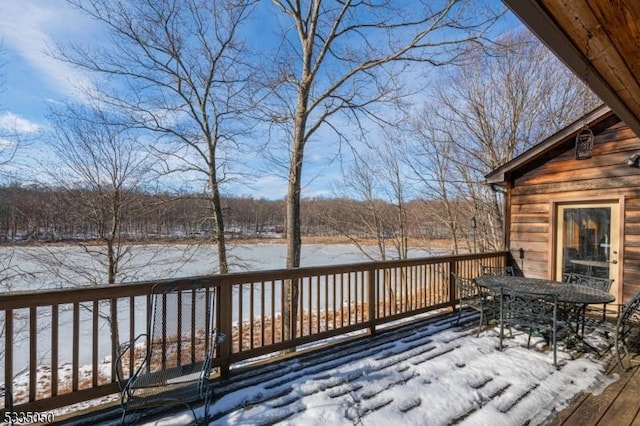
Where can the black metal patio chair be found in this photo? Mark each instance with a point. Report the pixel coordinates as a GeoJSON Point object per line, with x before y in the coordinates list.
{"type": "Point", "coordinates": [533, 312]}
{"type": "Point", "coordinates": [498, 270]}
{"type": "Point", "coordinates": [627, 333]}
{"type": "Point", "coordinates": [600, 283]}
{"type": "Point", "coordinates": [470, 295]}
{"type": "Point", "coordinates": [7, 398]}
{"type": "Point", "coordinates": [171, 363]}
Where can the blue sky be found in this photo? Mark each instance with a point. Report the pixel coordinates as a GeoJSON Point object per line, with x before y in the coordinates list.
{"type": "Point", "coordinates": [33, 81]}
{"type": "Point", "coordinates": [32, 78]}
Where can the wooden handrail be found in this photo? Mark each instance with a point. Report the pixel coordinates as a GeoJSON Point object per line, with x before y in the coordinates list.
{"type": "Point", "coordinates": [71, 325]}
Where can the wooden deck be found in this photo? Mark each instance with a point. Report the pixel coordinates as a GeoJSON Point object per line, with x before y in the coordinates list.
{"type": "Point", "coordinates": [618, 404]}
{"type": "Point", "coordinates": [269, 394]}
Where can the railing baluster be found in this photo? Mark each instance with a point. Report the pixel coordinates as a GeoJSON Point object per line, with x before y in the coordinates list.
{"type": "Point", "coordinates": [76, 347]}
{"type": "Point", "coordinates": [208, 314]}
{"type": "Point", "coordinates": [310, 305]}
{"type": "Point", "coordinates": [280, 285]}
{"type": "Point", "coordinates": [164, 333]}
{"type": "Point", "coordinates": [318, 312]}
{"type": "Point", "coordinates": [326, 302]}
{"type": "Point", "coordinates": [333, 299]}
{"type": "Point", "coordinates": [33, 352]}
{"type": "Point", "coordinates": [54, 348]}
{"type": "Point", "coordinates": [224, 312]}
{"type": "Point", "coordinates": [8, 355]}
{"type": "Point", "coordinates": [273, 311]}
{"type": "Point", "coordinates": [453, 269]}
{"type": "Point", "coordinates": [372, 299]}
{"type": "Point", "coordinates": [417, 275]}
{"type": "Point", "coordinates": [300, 303]}
{"type": "Point", "coordinates": [262, 313]}
{"type": "Point", "coordinates": [349, 298]}
{"type": "Point", "coordinates": [341, 300]}
{"type": "Point", "coordinates": [132, 326]}
{"type": "Point", "coordinates": [192, 329]}
{"type": "Point", "coordinates": [363, 283]}
{"type": "Point", "coordinates": [116, 340]}
{"type": "Point", "coordinates": [399, 293]}
{"type": "Point", "coordinates": [251, 314]}
{"type": "Point", "coordinates": [94, 347]}
{"type": "Point", "coordinates": [178, 330]}
{"type": "Point", "coordinates": [240, 318]}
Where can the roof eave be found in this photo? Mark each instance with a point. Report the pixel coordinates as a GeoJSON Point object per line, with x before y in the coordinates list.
{"type": "Point", "coordinates": [499, 176]}
{"type": "Point", "coordinates": [541, 24]}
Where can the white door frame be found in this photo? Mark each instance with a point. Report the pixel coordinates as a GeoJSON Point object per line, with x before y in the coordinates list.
{"type": "Point", "coordinates": [616, 231]}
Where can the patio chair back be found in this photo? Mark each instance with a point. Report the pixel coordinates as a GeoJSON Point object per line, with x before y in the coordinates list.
{"type": "Point", "coordinates": [600, 283]}
{"type": "Point", "coordinates": [533, 312]}
{"type": "Point", "coordinates": [7, 398]}
{"type": "Point", "coordinates": [171, 363]}
{"type": "Point", "coordinates": [470, 295]}
{"type": "Point", "coordinates": [627, 334]}
{"type": "Point", "coordinates": [498, 270]}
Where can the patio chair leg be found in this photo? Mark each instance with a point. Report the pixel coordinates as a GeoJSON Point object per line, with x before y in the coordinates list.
{"type": "Point", "coordinates": [207, 399]}
{"type": "Point", "coordinates": [501, 317]}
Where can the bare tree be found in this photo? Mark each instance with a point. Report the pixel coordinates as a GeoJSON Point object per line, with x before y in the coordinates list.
{"type": "Point", "coordinates": [177, 70]}
{"type": "Point", "coordinates": [375, 178]}
{"type": "Point", "coordinates": [9, 134]}
{"type": "Point", "coordinates": [489, 110]}
{"type": "Point", "coordinates": [101, 168]}
{"type": "Point", "coordinates": [429, 156]}
{"type": "Point", "coordinates": [339, 61]}
{"type": "Point", "coordinates": [11, 273]}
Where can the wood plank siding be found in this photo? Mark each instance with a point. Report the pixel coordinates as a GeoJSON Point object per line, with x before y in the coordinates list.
{"type": "Point", "coordinates": [534, 186]}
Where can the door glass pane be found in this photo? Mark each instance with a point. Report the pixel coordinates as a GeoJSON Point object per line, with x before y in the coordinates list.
{"type": "Point", "coordinates": [586, 237]}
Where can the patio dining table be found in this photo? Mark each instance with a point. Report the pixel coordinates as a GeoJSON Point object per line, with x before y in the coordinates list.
{"type": "Point", "coordinates": [575, 294]}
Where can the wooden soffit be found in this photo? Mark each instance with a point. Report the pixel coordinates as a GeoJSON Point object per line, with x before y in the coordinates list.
{"type": "Point", "coordinates": [599, 40]}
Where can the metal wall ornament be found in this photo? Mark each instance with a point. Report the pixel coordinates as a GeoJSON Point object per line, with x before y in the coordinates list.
{"type": "Point", "coordinates": [584, 143]}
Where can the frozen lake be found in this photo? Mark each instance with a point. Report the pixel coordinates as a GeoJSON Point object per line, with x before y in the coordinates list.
{"type": "Point", "coordinates": [31, 268]}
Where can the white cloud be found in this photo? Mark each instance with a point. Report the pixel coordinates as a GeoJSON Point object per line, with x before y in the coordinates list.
{"type": "Point", "coordinates": [5, 143]}
{"type": "Point", "coordinates": [29, 28]}
{"type": "Point", "coordinates": [14, 123]}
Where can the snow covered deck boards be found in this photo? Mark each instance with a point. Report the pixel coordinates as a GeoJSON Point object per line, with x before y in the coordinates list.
{"type": "Point", "coordinates": [432, 372]}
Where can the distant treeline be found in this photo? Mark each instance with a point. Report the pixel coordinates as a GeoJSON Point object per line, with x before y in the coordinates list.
{"type": "Point", "coordinates": [43, 214]}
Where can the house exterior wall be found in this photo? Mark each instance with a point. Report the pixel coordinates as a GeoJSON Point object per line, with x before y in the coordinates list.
{"type": "Point", "coordinates": [562, 178]}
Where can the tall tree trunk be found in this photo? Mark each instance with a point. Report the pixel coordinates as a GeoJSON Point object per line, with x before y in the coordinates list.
{"type": "Point", "coordinates": [294, 238]}
{"type": "Point", "coordinates": [216, 203]}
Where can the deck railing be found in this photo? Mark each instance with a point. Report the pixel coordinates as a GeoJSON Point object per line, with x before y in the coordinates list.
{"type": "Point", "coordinates": [58, 344]}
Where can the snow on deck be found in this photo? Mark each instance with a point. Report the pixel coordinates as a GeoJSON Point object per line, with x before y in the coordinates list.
{"type": "Point", "coordinates": [429, 373]}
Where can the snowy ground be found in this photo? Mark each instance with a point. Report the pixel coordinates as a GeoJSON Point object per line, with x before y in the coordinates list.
{"type": "Point", "coordinates": [432, 374]}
